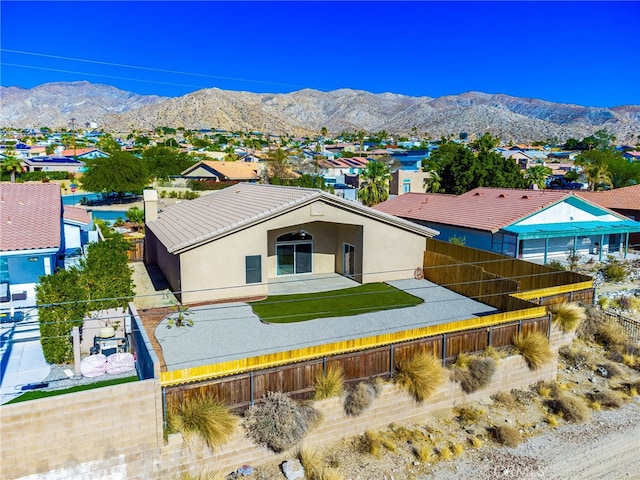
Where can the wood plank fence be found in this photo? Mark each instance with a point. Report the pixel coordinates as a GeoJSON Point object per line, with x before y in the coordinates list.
{"type": "Point", "coordinates": [241, 390]}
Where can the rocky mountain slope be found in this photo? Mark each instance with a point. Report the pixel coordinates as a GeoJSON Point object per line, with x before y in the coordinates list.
{"type": "Point", "coordinates": [305, 112]}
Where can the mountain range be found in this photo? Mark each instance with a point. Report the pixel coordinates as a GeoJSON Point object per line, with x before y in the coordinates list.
{"type": "Point", "coordinates": [305, 112]}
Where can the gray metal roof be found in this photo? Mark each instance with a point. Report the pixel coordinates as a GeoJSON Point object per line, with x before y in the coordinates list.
{"type": "Point", "coordinates": [191, 223]}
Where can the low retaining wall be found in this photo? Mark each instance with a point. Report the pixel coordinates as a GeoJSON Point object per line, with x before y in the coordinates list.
{"type": "Point", "coordinates": [116, 432]}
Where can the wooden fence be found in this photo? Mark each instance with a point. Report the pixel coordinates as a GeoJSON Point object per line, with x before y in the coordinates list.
{"type": "Point", "coordinates": [241, 390]}
{"type": "Point", "coordinates": [136, 249]}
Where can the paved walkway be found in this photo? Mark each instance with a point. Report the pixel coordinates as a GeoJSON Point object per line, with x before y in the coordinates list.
{"type": "Point", "coordinates": [232, 331]}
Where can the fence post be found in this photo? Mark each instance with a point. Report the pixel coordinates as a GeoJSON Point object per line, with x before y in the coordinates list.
{"type": "Point", "coordinates": [444, 348]}
{"type": "Point", "coordinates": [391, 351]}
{"type": "Point", "coordinates": [520, 326]}
{"type": "Point", "coordinates": [324, 365]}
{"type": "Point", "coordinates": [251, 387]}
{"type": "Point", "coordinates": [164, 407]}
{"type": "Point", "coordinates": [549, 329]}
{"type": "Point", "coordinates": [490, 339]}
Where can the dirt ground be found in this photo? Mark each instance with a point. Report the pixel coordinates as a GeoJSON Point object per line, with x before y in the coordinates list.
{"type": "Point", "coordinates": [461, 447]}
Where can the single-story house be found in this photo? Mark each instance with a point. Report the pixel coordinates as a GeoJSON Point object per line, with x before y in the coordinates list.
{"type": "Point", "coordinates": [223, 171]}
{"type": "Point", "coordinates": [83, 153]}
{"type": "Point", "coordinates": [232, 242]}
{"type": "Point", "coordinates": [30, 233]}
{"type": "Point", "coordinates": [625, 201]}
{"type": "Point", "coordinates": [53, 164]}
{"type": "Point", "coordinates": [526, 224]}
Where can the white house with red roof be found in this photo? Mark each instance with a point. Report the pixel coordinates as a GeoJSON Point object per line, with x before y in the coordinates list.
{"type": "Point", "coordinates": [528, 224]}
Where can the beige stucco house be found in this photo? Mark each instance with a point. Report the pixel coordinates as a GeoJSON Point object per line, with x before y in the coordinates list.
{"type": "Point", "coordinates": [231, 243]}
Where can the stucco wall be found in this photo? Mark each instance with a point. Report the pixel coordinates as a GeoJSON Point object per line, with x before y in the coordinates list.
{"type": "Point", "coordinates": [216, 270]}
{"type": "Point", "coordinates": [116, 432]}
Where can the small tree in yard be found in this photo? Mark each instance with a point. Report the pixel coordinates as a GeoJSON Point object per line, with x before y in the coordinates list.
{"type": "Point", "coordinates": [102, 280]}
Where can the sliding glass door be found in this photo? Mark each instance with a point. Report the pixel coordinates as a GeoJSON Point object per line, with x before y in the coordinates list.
{"type": "Point", "coordinates": [294, 254]}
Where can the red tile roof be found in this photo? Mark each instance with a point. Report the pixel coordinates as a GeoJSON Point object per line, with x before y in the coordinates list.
{"type": "Point", "coordinates": [486, 209]}
{"type": "Point", "coordinates": [626, 198]}
{"type": "Point", "coordinates": [79, 151]}
{"type": "Point", "coordinates": [76, 214]}
{"type": "Point", "coordinates": [29, 216]}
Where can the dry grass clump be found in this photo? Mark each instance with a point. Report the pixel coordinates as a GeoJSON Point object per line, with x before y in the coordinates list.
{"type": "Point", "coordinates": [605, 398]}
{"type": "Point", "coordinates": [463, 360]}
{"type": "Point", "coordinates": [475, 442]}
{"type": "Point", "coordinates": [610, 334]}
{"type": "Point", "coordinates": [576, 355]}
{"type": "Point", "coordinates": [476, 374]}
{"type": "Point", "coordinates": [467, 414]}
{"type": "Point", "coordinates": [315, 467]}
{"type": "Point", "coordinates": [572, 408]}
{"type": "Point", "coordinates": [534, 347]}
{"type": "Point", "coordinates": [551, 420]}
{"type": "Point", "coordinates": [506, 435]}
{"type": "Point", "coordinates": [329, 384]}
{"type": "Point", "coordinates": [423, 453]}
{"type": "Point", "coordinates": [419, 374]}
{"type": "Point", "coordinates": [506, 399]}
{"type": "Point", "coordinates": [494, 353]}
{"type": "Point", "coordinates": [280, 423]}
{"type": "Point", "coordinates": [359, 399]}
{"type": "Point", "coordinates": [203, 476]}
{"type": "Point", "coordinates": [546, 389]}
{"type": "Point", "coordinates": [372, 443]}
{"type": "Point", "coordinates": [567, 316]}
{"type": "Point", "coordinates": [444, 453]}
{"type": "Point", "coordinates": [613, 369]}
{"type": "Point", "coordinates": [204, 417]}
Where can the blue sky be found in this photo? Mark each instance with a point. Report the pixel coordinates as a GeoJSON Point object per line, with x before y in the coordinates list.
{"type": "Point", "coordinates": [587, 53]}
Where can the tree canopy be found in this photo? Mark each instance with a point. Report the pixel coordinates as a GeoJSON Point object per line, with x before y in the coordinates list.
{"type": "Point", "coordinates": [11, 165]}
{"type": "Point", "coordinates": [163, 162]}
{"type": "Point", "coordinates": [607, 167]}
{"type": "Point", "coordinates": [121, 173]}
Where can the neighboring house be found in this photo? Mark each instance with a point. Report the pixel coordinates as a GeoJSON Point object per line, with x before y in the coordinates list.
{"type": "Point", "coordinates": [520, 158]}
{"type": "Point", "coordinates": [335, 167]}
{"type": "Point", "coordinates": [83, 153]}
{"type": "Point", "coordinates": [31, 240]}
{"type": "Point", "coordinates": [405, 181]}
{"type": "Point", "coordinates": [625, 201]}
{"type": "Point", "coordinates": [633, 156]}
{"type": "Point", "coordinates": [231, 243]}
{"type": "Point", "coordinates": [526, 224]}
{"type": "Point", "coordinates": [53, 164]}
{"type": "Point", "coordinates": [78, 231]}
{"type": "Point", "coordinates": [223, 171]}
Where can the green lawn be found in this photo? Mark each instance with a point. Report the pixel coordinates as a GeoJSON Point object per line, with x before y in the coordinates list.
{"type": "Point", "coordinates": [35, 394]}
{"type": "Point", "coordinates": [368, 298]}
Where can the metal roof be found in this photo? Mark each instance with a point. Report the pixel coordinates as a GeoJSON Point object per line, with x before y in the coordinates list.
{"type": "Point", "coordinates": [189, 224]}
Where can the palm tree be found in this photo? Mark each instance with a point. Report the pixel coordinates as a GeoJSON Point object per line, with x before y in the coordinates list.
{"type": "Point", "coordinates": [433, 183]}
{"type": "Point", "coordinates": [12, 165]}
{"type": "Point", "coordinates": [598, 175]}
{"type": "Point", "coordinates": [374, 183]}
{"type": "Point", "coordinates": [537, 175]}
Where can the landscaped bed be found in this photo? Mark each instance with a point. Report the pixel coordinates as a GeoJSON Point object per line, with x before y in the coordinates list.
{"type": "Point", "coordinates": [372, 297]}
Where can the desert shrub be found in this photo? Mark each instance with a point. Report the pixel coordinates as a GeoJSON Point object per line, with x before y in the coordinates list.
{"type": "Point", "coordinates": [420, 375]}
{"type": "Point", "coordinates": [201, 416]}
{"type": "Point", "coordinates": [546, 389]}
{"type": "Point", "coordinates": [534, 347]}
{"type": "Point", "coordinates": [605, 398]}
{"type": "Point", "coordinates": [475, 442]}
{"type": "Point", "coordinates": [572, 408]}
{"type": "Point", "coordinates": [457, 449]}
{"type": "Point", "coordinates": [359, 399]}
{"type": "Point", "coordinates": [423, 453]}
{"type": "Point", "coordinates": [315, 468]}
{"type": "Point", "coordinates": [463, 361]}
{"type": "Point", "coordinates": [506, 435]}
{"type": "Point", "coordinates": [557, 265]}
{"type": "Point", "coordinates": [494, 353]}
{"type": "Point", "coordinates": [467, 414]}
{"type": "Point", "coordinates": [329, 384]}
{"type": "Point", "coordinates": [506, 399]}
{"type": "Point", "coordinates": [445, 453]}
{"type": "Point", "coordinates": [279, 422]}
{"type": "Point", "coordinates": [611, 334]}
{"type": "Point", "coordinates": [372, 443]}
{"type": "Point", "coordinates": [567, 315]}
{"type": "Point", "coordinates": [476, 375]}
{"type": "Point", "coordinates": [614, 271]}
{"type": "Point", "coordinates": [589, 327]}
{"type": "Point", "coordinates": [551, 420]}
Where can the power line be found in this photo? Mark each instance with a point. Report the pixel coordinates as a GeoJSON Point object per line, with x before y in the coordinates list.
{"type": "Point", "coordinates": [138, 67]}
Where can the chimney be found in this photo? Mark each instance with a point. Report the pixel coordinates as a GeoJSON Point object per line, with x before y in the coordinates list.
{"type": "Point", "coordinates": [150, 205]}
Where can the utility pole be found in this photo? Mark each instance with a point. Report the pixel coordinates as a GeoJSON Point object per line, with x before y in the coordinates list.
{"type": "Point", "coordinates": [73, 135]}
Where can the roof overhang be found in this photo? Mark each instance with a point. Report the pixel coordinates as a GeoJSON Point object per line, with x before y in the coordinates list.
{"type": "Point", "coordinates": [579, 229]}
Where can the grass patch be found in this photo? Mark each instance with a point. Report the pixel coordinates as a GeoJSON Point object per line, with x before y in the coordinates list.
{"type": "Point", "coordinates": [36, 394]}
{"type": "Point", "coordinates": [372, 297]}
{"type": "Point", "coordinates": [572, 408]}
